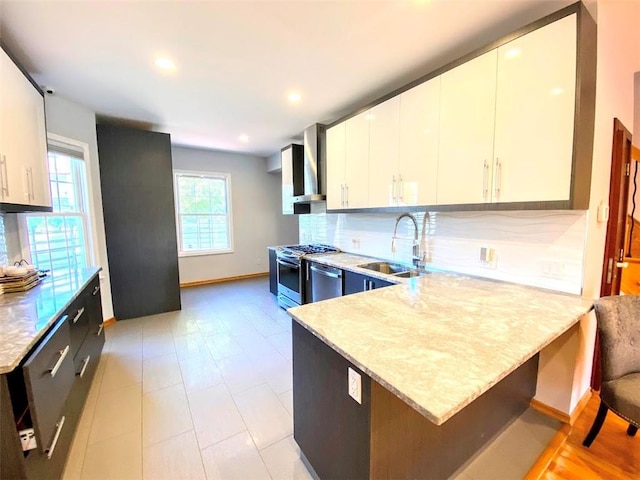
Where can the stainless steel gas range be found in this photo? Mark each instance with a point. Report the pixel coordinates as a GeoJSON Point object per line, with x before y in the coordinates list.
{"type": "Point", "coordinates": [291, 271]}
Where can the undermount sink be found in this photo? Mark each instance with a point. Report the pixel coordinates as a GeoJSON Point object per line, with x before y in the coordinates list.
{"type": "Point", "coordinates": [386, 267]}
{"type": "Point", "coordinates": [395, 269]}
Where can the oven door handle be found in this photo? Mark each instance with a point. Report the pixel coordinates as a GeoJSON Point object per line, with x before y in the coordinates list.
{"type": "Point", "coordinates": [325, 272]}
{"type": "Point", "coordinates": [287, 264]}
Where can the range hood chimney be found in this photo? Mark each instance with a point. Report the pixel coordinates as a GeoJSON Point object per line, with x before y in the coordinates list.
{"type": "Point", "coordinates": [314, 167]}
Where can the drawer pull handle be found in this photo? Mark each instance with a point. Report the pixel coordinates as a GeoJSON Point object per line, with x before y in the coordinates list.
{"type": "Point", "coordinates": [100, 329]}
{"type": "Point", "coordinates": [85, 364]}
{"type": "Point", "coordinates": [49, 451]}
{"type": "Point", "coordinates": [96, 290]}
{"type": "Point", "coordinates": [78, 315]}
{"type": "Point", "coordinates": [56, 367]}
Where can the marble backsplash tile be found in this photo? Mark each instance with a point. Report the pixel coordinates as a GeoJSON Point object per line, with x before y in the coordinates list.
{"type": "Point", "coordinates": [538, 248]}
{"type": "Point", "coordinates": [3, 242]}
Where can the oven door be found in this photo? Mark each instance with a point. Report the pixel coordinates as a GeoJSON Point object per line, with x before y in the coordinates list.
{"type": "Point", "coordinates": [289, 279]}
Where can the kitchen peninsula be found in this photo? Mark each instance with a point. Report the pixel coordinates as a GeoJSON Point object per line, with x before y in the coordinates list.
{"type": "Point", "coordinates": [445, 361]}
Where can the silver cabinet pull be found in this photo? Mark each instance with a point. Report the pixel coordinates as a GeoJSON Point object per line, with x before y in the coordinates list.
{"type": "Point", "coordinates": [56, 367]}
{"type": "Point", "coordinates": [78, 315]}
{"type": "Point", "coordinates": [400, 188]}
{"type": "Point", "coordinates": [49, 451]}
{"type": "Point", "coordinates": [96, 290]}
{"type": "Point", "coordinates": [100, 329]}
{"type": "Point", "coordinates": [346, 190]}
{"type": "Point", "coordinates": [485, 180]}
{"type": "Point", "coordinates": [364, 285]}
{"type": "Point", "coordinates": [85, 364]}
{"type": "Point", "coordinates": [498, 178]}
{"type": "Point", "coordinates": [342, 194]}
{"type": "Point", "coordinates": [393, 188]}
{"type": "Point", "coordinates": [31, 187]}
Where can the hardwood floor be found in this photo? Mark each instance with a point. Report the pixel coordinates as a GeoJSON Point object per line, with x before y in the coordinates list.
{"type": "Point", "coordinates": [613, 455]}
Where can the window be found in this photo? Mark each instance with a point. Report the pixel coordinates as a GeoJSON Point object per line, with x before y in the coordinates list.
{"type": "Point", "coordinates": [59, 241]}
{"type": "Point", "coordinates": [203, 212]}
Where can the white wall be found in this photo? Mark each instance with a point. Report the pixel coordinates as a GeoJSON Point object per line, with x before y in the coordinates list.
{"type": "Point", "coordinates": [274, 163]}
{"type": "Point", "coordinates": [257, 215]}
{"type": "Point", "coordinates": [76, 122]}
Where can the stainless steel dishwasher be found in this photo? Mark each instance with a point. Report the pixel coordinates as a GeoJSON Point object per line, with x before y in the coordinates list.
{"type": "Point", "coordinates": [326, 282]}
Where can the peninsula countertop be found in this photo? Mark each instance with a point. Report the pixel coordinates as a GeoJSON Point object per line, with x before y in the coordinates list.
{"type": "Point", "coordinates": [440, 341]}
{"type": "Point", "coordinates": [25, 317]}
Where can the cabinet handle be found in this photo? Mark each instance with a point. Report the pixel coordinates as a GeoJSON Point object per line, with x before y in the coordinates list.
{"type": "Point", "coordinates": [5, 176]}
{"type": "Point", "coordinates": [78, 315]}
{"type": "Point", "coordinates": [32, 190]}
{"type": "Point", "coordinates": [400, 188]}
{"type": "Point", "coordinates": [485, 180]}
{"type": "Point", "coordinates": [100, 329]}
{"type": "Point", "coordinates": [346, 191]}
{"type": "Point", "coordinates": [342, 194]}
{"type": "Point", "coordinates": [85, 364]}
{"type": "Point", "coordinates": [49, 451]}
{"type": "Point", "coordinates": [95, 290]}
{"type": "Point", "coordinates": [56, 367]}
{"type": "Point", "coordinates": [364, 285]}
{"type": "Point", "coordinates": [498, 178]}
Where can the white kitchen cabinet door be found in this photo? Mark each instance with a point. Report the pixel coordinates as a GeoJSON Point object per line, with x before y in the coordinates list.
{"type": "Point", "coordinates": [357, 161]}
{"type": "Point", "coordinates": [384, 150]}
{"type": "Point", "coordinates": [286, 158]}
{"type": "Point", "coordinates": [336, 158]}
{"type": "Point", "coordinates": [467, 114]}
{"type": "Point", "coordinates": [23, 147]}
{"type": "Point", "coordinates": [419, 132]}
{"type": "Point", "coordinates": [535, 115]}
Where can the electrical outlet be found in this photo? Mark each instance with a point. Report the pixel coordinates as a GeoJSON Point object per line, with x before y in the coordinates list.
{"type": "Point", "coordinates": [552, 269]}
{"type": "Point", "coordinates": [488, 257]}
{"type": "Point", "coordinates": [27, 439]}
{"type": "Point", "coordinates": [355, 243]}
{"type": "Point", "coordinates": [355, 385]}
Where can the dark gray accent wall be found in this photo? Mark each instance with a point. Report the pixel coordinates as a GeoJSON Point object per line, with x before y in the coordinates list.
{"type": "Point", "coordinates": [139, 216]}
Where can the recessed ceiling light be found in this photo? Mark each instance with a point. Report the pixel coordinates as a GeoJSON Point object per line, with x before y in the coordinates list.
{"type": "Point", "coordinates": [165, 63]}
{"type": "Point", "coordinates": [244, 138]}
{"type": "Point", "coordinates": [557, 91]}
{"type": "Point", "coordinates": [513, 52]}
{"type": "Point", "coordinates": [294, 97]}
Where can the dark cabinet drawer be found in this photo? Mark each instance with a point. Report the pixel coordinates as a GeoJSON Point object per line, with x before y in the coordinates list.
{"type": "Point", "coordinates": [78, 318]}
{"type": "Point", "coordinates": [49, 375]}
{"type": "Point", "coordinates": [355, 282]}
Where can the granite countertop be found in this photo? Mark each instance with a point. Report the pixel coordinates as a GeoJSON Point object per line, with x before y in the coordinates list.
{"type": "Point", "coordinates": [440, 341]}
{"type": "Point", "coordinates": [25, 317]}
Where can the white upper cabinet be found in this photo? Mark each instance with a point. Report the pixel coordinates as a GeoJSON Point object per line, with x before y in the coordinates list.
{"type": "Point", "coordinates": [336, 159]}
{"type": "Point", "coordinates": [24, 170]}
{"type": "Point", "coordinates": [535, 107]}
{"type": "Point", "coordinates": [467, 113]}
{"type": "Point", "coordinates": [286, 157]}
{"type": "Point", "coordinates": [384, 153]}
{"type": "Point", "coordinates": [419, 135]}
{"type": "Point", "coordinates": [356, 177]}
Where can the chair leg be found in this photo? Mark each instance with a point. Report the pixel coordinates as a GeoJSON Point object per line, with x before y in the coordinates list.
{"type": "Point", "coordinates": [632, 430]}
{"type": "Point", "coordinates": [597, 425]}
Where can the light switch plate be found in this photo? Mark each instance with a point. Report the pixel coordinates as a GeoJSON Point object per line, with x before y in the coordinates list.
{"type": "Point", "coordinates": [355, 385]}
{"type": "Point", "coordinates": [28, 439]}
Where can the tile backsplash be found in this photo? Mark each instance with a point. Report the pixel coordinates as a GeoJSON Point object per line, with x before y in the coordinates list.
{"type": "Point", "coordinates": [3, 242]}
{"type": "Point", "coordinates": [539, 248]}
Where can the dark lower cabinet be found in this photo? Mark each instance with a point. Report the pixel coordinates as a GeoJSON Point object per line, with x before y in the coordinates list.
{"type": "Point", "coordinates": [273, 272]}
{"type": "Point", "coordinates": [47, 391]}
{"type": "Point", "coordinates": [355, 283]}
{"type": "Point", "coordinates": [330, 427]}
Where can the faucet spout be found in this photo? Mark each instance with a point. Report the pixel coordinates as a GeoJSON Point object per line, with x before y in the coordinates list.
{"type": "Point", "coordinates": [416, 257]}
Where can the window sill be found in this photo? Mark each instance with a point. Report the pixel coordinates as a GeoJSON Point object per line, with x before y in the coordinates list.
{"type": "Point", "coordinates": [204, 253]}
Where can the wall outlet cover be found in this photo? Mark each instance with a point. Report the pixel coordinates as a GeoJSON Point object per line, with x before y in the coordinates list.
{"type": "Point", "coordinates": [28, 439]}
{"type": "Point", "coordinates": [355, 385]}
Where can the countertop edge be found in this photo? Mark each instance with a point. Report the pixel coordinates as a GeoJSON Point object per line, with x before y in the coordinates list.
{"type": "Point", "coordinates": [36, 338]}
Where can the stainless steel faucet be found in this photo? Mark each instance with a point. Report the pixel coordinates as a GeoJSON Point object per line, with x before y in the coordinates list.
{"type": "Point", "coordinates": [423, 241]}
{"type": "Point", "coordinates": [416, 258]}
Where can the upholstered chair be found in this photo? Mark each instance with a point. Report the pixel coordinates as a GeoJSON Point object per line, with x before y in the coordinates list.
{"type": "Point", "coordinates": [618, 320]}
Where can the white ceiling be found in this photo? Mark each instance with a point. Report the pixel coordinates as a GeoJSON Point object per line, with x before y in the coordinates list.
{"type": "Point", "coordinates": [237, 60]}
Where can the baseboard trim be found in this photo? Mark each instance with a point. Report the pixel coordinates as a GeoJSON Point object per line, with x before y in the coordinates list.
{"type": "Point", "coordinates": [539, 468]}
{"type": "Point", "coordinates": [562, 416]}
{"type": "Point", "coordinates": [550, 411]}
{"type": "Point", "coordinates": [109, 321]}
{"type": "Point", "coordinates": [222, 280]}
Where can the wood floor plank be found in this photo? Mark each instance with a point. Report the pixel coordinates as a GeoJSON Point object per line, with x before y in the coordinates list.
{"type": "Point", "coordinates": [612, 456]}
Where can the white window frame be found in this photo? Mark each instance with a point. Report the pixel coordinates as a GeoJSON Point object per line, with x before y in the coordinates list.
{"type": "Point", "coordinates": [212, 175]}
{"type": "Point", "coordinates": [91, 233]}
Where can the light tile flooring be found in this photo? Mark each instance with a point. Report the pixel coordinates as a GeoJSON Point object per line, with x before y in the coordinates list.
{"type": "Point", "coordinates": [200, 393]}
{"type": "Point", "coordinates": [206, 393]}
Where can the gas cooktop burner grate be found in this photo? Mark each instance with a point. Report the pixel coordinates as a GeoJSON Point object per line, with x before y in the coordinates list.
{"type": "Point", "coordinates": [310, 249]}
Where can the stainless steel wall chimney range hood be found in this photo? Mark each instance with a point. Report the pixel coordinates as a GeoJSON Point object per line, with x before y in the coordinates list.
{"type": "Point", "coordinates": [314, 174]}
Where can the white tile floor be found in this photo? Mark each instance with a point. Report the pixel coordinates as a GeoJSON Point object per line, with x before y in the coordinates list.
{"type": "Point", "coordinates": [200, 393]}
{"type": "Point", "coordinates": [206, 393]}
